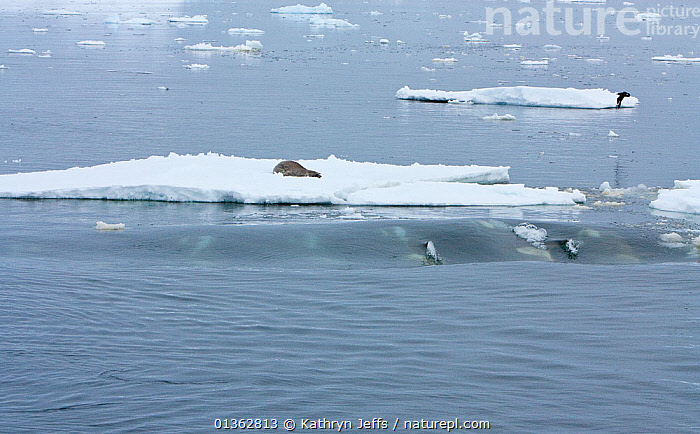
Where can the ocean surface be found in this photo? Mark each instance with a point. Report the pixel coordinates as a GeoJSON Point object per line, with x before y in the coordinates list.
{"type": "Point", "coordinates": [203, 312]}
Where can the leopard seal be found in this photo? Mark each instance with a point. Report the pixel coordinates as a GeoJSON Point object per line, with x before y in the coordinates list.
{"type": "Point", "coordinates": [292, 168]}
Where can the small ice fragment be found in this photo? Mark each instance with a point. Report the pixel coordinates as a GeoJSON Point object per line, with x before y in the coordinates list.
{"type": "Point", "coordinates": [36, 30]}
{"type": "Point", "coordinates": [196, 66]}
{"type": "Point", "coordinates": [28, 51]}
{"type": "Point", "coordinates": [197, 19]}
{"type": "Point", "coordinates": [90, 42]}
{"type": "Point", "coordinates": [613, 134]}
{"type": "Point", "coordinates": [497, 117]}
{"type": "Point", "coordinates": [445, 60]}
{"type": "Point", "coordinates": [671, 237]}
{"type": "Point", "coordinates": [542, 62]}
{"type": "Point", "coordinates": [532, 234]}
{"type": "Point", "coordinates": [242, 31]}
{"type": "Point", "coordinates": [375, 13]}
{"type": "Point", "coordinates": [3, 67]}
{"type": "Point", "coordinates": [163, 88]}
{"type": "Point", "coordinates": [384, 41]}
{"type": "Point", "coordinates": [102, 226]}
{"type": "Point", "coordinates": [180, 39]}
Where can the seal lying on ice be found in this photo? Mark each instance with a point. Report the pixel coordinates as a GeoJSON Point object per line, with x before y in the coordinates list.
{"type": "Point", "coordinates": [292, 168]}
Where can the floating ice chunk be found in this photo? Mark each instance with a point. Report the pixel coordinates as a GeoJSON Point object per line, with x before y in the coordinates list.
{"type": "Point", "coordinates": [603, 38]}
{"type": "Point", "coordinates": [445, 60]}
{"type": "Point", "coordinates": [102, 226]}
{"type": "Point", "coordinates": [679, 58]}
{"type": "Point", "coordinates": [45, 54]}
{"type": "Point", "coordinates": [375, 13]}
{"type": "Point", "coordinates": [426, 69]}
{"type": "Point", "coordinates": [195, 20]}
{"type": "Point", "coordinates": [595, 60]}
{"type": "Point", "coordinates": [3, 67]}
{"type": "Point", "coordinates": [497, 117]}
{"type": "Point", "coordinates": [248, 47]}
{"type": "Point", "coordinates": [683, 197]}
{"type": "Point", "coordinates": [60, 12]}
{"type": "Point", "coordinates": [600, 203]}
{"type": "Point", "coordinates": [671, 237]}
{"type": "Point", "coordinates": [242, 31]}
{"type": "Point", "coordinates": [196, 66]}
{"type": "Point", "coordinates": [474, 38]}
{"type": "Point", "coordinates": [331, 23]}
{"type": "Point", "coordinates": [613, 134]}
{"type": "Point", "coordinates": [383, 41]}
{"type": "Point", "coordinates": [179, 39]}
{"type": "Point", "coordinates": [513, 46]}
{"type": "Point", "coordinates": [532, 234]}
{"type": "Point", "coordinates": [27, 51]}
{"type": "Point", "coordinates": [163, 88]}
{"type": "Point", "coordinates": [542, 62]}
{"type": "Point", "coordinates": [583, 1]}
{"type": "Point", "coordinates": [552, 47]}
{"type": "Point", "coordinates": [523, 96]}
{"type": "Point", "coordinates": [90, 42]}
{"type": "Point", "coordinates": [301, 9]}
{"type": "Point", "coordinates": [37, 30]}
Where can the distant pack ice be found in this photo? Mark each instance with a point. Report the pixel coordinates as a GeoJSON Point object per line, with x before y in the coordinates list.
{"type": "Point", "coordinates": [218, 178]}
{"type": "Point", "coordinates": [522, 96]}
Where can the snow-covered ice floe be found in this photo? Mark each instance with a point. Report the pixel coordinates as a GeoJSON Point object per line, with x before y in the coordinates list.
{"type": "Point", "coordinates": [679, 58]}
{"type": "Point", "coordinates": [683, 197]}
{"type": "Point", "coordinates": [522, 96]}
{"type": "Point", "coordinates": [301, 9]}
{"type": "Point", "coordinates": [218, 178]}
{"type": "Point", "coordinates": [331, 23]}
{"type": "Point", "coordinates": [241, 31]}
{"type": "Point", "coordinates": [197, 19]}
{"type": "Point", "coordinates": [248, 47]}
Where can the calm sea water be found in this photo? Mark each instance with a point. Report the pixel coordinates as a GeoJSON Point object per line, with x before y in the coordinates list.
{"type": "Point", "coordinates": [204, 311]}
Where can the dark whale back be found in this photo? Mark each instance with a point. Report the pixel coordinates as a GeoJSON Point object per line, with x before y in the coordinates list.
{"type": "Point", "coordinates": [292, 168]}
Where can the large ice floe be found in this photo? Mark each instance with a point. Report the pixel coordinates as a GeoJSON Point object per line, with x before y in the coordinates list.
{"type": "Point", "coordinates": [218, 178]}
{"type": "Point", "coordinates": [683, 197]}
{"type": "Point", "coordinates": [301, 9]}
{"type": "Point", "coordinates": [522, 96]}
